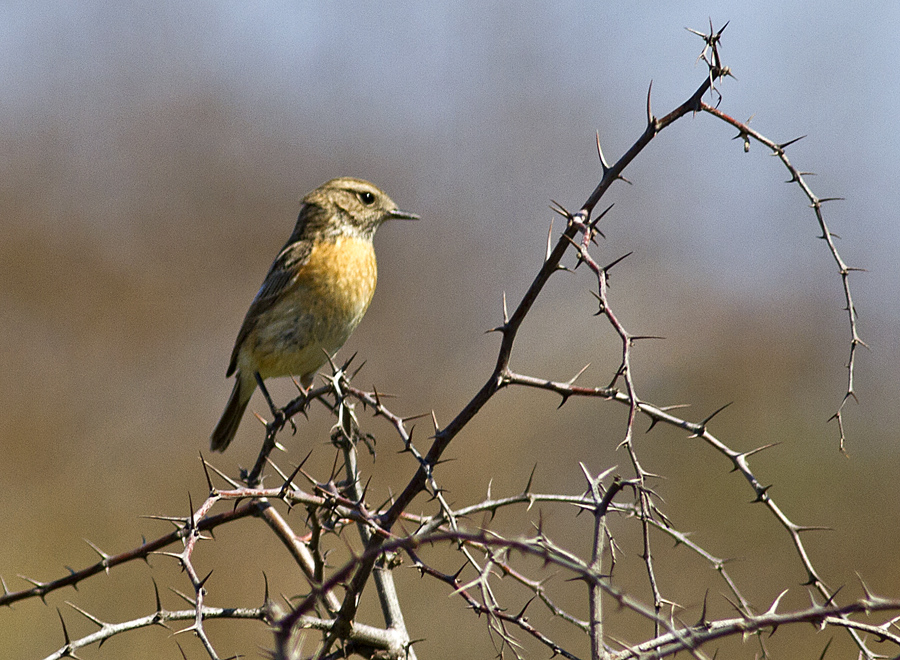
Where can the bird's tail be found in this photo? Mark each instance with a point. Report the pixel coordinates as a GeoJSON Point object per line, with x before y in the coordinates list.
{"type": "Point", "coordinates": [225, 430]}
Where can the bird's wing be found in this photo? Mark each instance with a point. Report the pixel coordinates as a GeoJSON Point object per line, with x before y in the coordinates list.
{"type": "Point", "coordinates": [282, 274]}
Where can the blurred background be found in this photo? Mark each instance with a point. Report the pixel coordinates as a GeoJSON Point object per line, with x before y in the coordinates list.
{"type": "Point", "coordinates": [153, 156]}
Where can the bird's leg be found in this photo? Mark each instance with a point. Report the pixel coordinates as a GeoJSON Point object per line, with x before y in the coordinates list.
{"type": "Point", "coordinates": [278, 415]}
{"type": "Point", "coordinates": [262, 386]}
{"type": "Point", "coordinates": [278, 418]}
{"type": "Point", "coordinates": [254, 477]}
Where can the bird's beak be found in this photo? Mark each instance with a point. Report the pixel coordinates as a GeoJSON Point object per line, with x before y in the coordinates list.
{"type": "Point", "coordinates": [397, 214]}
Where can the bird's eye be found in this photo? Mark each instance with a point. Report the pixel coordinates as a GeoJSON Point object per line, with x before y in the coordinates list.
{"type": "Point", "coordinates": [366, 198]}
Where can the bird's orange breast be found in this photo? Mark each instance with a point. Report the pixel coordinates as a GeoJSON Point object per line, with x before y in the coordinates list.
{"type": "Point", "coordinates": [316, 313]}
{"type": "Point", "coordinates": [340, 276]}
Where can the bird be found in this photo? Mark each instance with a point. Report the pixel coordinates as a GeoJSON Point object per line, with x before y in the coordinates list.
{"type": "Point", "coordinates": [314, 295]}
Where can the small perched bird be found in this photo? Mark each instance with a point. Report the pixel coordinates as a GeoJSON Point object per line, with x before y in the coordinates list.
{"type": "Point", "coordinates": [315, 294]}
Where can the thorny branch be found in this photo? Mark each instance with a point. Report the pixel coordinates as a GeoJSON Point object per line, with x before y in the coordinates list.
{"type": "Point", "coordinates": [335, 503]}
{"type": "Point", "coordinates": [509, 331]}
{"type": "Point", "coordinates": [745, 133]}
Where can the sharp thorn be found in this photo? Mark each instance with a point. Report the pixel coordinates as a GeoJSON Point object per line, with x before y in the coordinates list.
{"type": "Point", "coordinates": [784, 145]}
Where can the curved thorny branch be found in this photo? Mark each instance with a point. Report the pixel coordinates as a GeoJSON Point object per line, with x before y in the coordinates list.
{"type": "Point", "coordinates": [745, 133]}
{"type": "Point", "coordinates": [389, 531]}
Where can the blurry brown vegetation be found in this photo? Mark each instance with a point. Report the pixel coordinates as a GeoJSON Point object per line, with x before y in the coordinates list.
{"type": "Point", "coordinates": [131, 246]}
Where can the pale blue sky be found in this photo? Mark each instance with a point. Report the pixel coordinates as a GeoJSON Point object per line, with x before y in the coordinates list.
{"type": "Point", "coordinates": [496, 105]}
